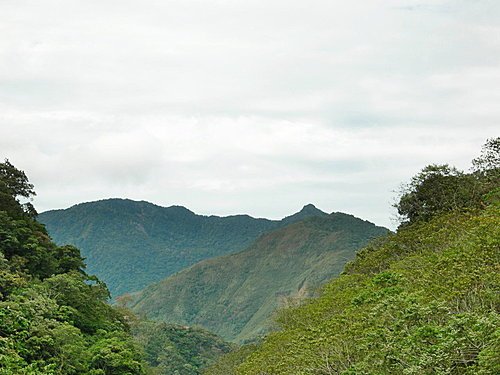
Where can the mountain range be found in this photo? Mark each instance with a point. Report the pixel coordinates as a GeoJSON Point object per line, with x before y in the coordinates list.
{"type": "Point", "coordinates": [131, 244]}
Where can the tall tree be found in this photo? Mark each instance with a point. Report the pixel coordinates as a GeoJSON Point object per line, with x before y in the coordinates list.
{"type": "Point", "coordinates": [443, 188]}
{"type": "Point", "coordinates": [13, 184]}
{"type": "Point", "coordinates": [489, 160]}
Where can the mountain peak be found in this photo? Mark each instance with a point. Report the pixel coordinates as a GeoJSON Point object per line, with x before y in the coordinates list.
{"type": "Point", "coordinates": [310, 208]}
{"type": "Point", "coordinates": [307, 211]}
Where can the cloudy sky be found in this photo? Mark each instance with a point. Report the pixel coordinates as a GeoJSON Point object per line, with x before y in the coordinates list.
{"type": "Point", "coordinates": [254, 106]}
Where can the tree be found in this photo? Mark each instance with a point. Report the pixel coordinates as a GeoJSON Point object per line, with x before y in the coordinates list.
{"type": "Point", "coordinates": [14, 184]}
{"type": "Point", "coordinates": [116, 354]}
{"type": "Point", "coordinates": [436, 189]}
{"type": "Point", "coordinates": [489, 160]}
{"type": "Point", "coordinates": [15, 180]}
{"type": "Point", "coordinates": [443, 188]}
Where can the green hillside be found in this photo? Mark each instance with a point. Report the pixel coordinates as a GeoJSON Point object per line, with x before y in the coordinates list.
{"type": "Point", "coordinates": [130, 244]}
{"type": "Point", "coordinates": [181, 350]}
{"type": "Point", "coordinates": [54, 318]}
{"type": "Point", "coordinates": [425, 300]}
{"type": "Point", "coordinates": [234, 295]}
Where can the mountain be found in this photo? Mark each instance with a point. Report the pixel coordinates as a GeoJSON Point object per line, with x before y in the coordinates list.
{"type": "Point", "coordinates": [309, 210]}
{"type": "Point", "coordinates": [131, 244]}
{"type": "Point", "coordinates": [234, 295]}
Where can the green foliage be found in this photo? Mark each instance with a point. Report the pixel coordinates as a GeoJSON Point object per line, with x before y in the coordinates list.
{"type": "Point", "coordinates": [130, 245]}
{"type": "Point", "coordinates": [228, 364]}
{"type": "Point", "coordinates": [14, 183]}
{"type": "Point", "coordinates": [54, 318]}
{"type": "Point", "coordinates": [28, 248]}
{"type": "Point", "coordinates": [439, 189]}
{"type": "Point", "coordinates": [235, 295]}
{"type": "Point", "coordinates": [489, 161]}
{"type": "Point", "coordinates": [115, 354]}
{"type": "Point", "coordinates": [86, 299]}
{"type": "Point", "coordinates": [172, 349]}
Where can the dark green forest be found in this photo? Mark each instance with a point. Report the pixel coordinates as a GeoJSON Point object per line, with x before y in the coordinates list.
{"type": "Point", "coordinates": [54, 317]}
{"type": "Point", "coordinates": [424, 300]}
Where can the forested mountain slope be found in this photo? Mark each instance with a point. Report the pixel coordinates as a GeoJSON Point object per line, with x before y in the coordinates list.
{"type": "Point", "coordinates": [425, 300]}
{"type": "Point", "coordinates": [54, 318]}
{"type": "Point", "coordinates": [130, 244]}
{"type": "Point", "coordinates": [235, 295]}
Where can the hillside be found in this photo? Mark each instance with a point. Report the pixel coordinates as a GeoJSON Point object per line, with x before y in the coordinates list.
{"type": "Point", "coordinates": [234, 295]}
{"type": "Point", "coordinates": [54, 317]}
{"type": "Point", "coordinates": [422, 301]}
{"type": "Point", "coordinates": [173, 349]}
{"type": "Point", "coordinates": [130, 244]}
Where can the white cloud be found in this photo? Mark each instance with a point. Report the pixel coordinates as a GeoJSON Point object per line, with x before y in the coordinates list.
{"type": "Point", "coordinates": [244, 106]}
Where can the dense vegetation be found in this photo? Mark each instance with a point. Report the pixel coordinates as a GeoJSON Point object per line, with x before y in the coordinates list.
{"type": "Point", "coordinates": [422, 301]}
{"type": "Point", "coordinates": [234, 295]}
{"type": "Point", "coordinates": [130, 244]}
{"type": "Point", "coordinates": [54, 318]}
{"type": "Point", "coordinates": [178, 350]}
{"type": "Point", "coordinates": [440, 188]}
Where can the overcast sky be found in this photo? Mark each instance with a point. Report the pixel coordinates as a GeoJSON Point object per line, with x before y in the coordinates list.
{"type": "Point", "coordinates": [254, 106]}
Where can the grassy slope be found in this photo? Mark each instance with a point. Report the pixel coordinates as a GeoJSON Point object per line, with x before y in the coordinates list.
{"type": "Point", "coordinates": [234, 295]}
{"type": "Point", "coordinates": [423, 301]}
{"type": "Point", "coordinates": [131, 244]}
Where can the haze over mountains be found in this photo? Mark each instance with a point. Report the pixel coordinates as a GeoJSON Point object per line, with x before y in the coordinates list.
{"type": "Point", "coordinates": [235, 295]}
{"type": "Point", "coordinates": [131, 244]}
{"type": "Point", "coordinates": [226, 274]}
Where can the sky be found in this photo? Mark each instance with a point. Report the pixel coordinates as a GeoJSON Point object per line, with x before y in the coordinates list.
{"type": "Point", "coordinates": [256, 107]}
